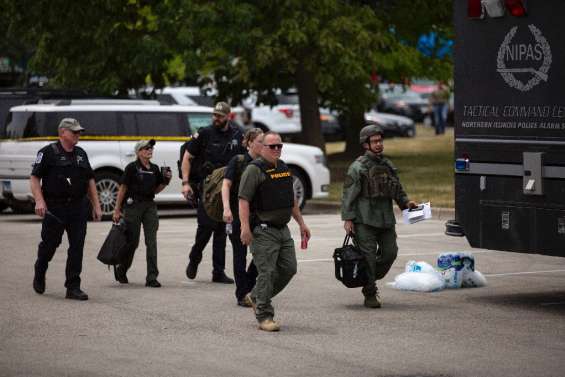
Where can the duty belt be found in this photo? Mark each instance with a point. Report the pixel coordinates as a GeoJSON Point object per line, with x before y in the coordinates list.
{"type": "Point", "coordinates": [63, 201]}
{"type": "Point", "coordinates": [264, 224]}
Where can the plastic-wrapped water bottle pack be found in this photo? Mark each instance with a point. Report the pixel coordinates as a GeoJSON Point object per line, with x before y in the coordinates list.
{"type": "Point", "coordinates": [454, 270]}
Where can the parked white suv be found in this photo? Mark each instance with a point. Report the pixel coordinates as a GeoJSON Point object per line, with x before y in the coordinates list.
{"type": "Point", "coordinates": [109, 139]}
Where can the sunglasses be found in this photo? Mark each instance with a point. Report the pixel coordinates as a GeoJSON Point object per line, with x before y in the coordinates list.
{"type": "Point", "coordinates": [274, 146]}
{"type": "Point", "coordinates": [149, 148]}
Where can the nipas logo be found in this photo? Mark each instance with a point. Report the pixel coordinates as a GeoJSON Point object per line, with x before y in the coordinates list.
{"type": "Point", "coordinates": [531, 60]}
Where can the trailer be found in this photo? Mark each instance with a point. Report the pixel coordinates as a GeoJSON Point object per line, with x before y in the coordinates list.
{"type": "Point", "coordinates": [509, 85]}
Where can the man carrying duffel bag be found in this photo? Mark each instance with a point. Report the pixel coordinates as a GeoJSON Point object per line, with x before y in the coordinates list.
{"type": "Point", "coordinates": [370, 185]}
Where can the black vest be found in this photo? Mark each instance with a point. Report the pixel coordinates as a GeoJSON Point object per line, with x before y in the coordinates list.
{"type": "Point", "coordinates": [276, 191]}
{"type": "Point", "coordinates": [67, 176]}
{"type": "Point", "coordinates": [143, 187]}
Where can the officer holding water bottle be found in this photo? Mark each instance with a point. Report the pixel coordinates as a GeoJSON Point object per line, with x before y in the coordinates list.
{"type": "Point", "coordinates": [370, 186]}
{"type": "Point", "coordinates": [141, 181]}
{"type": "Point", "coordinates": [266, 203]}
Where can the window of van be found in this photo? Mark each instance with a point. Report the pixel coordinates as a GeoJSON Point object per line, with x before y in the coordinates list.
{"type": "Point", "coordinates": [154, 124]}
{"type": "Point", "coordinates": [23, 124]}
{"type": "Point", "coordinates": [199, 120]}
{"type": "Point", "coordinates": [96, 123]}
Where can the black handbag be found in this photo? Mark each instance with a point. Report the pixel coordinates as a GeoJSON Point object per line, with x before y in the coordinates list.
{"type": "Point", "coordinates": [350, 265]}
{"type": "Point", "coordinates": [115, 245]}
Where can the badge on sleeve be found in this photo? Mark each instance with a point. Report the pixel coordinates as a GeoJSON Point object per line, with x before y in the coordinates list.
{"type": "Point", "coordinates": [39, 158]}
{"type": "Point", "coordinates": [348, 182]}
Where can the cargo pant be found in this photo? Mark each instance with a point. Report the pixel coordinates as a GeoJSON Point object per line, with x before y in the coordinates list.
{"type": "Point", "coordinates": [136, 214]}
{"type": "Point", "coordinates": [380, 248]}
{"type": "Point", "coordinates": [71, 218]}
{"type": "Point", "coordinates": [275, 258]}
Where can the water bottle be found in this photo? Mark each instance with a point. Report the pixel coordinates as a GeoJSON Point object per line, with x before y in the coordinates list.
{"type": "Point", "coordinates": [229, 228]}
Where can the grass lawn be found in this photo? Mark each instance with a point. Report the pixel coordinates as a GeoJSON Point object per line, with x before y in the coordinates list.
{"type": "Point", "coordinates": [424, 163]}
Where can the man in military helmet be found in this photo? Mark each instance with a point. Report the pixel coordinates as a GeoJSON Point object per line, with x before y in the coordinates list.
{"type": "Point", "coordinates": [60, 181]}
{"type": "Point", "coordinates": [370, 185]}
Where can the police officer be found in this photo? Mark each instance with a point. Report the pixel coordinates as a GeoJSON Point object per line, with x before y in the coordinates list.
{"type": "Point", "coordinates": [267, 189]}
{"type": "Point", "coordinates": [370, 185]}
{"type": "Point", "coordinates": [60, 181]}
{"type": "Point", "coordinates": [213, 146]}
{"type": "Point", "coordinates": [140, 182]}
{"type": "Point", "coordinates": [244, 277]}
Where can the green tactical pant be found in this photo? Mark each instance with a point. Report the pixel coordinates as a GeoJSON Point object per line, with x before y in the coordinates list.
{"type": "Point", "coordinates": [136, 214]}
{"type": "Point", "coordinates": [275, 258]}
{"type": "Point", "coordinates": [380, 248]}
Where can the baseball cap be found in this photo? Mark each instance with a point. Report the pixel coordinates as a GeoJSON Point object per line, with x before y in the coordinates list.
{"type": "Point", "coordinates": [70, 124]}
{"type": "Point", "coordinates": [144, 143]}
{"type": "Point", "coordinates": [222, 108]}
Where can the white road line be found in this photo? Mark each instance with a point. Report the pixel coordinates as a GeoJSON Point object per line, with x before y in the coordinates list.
{"type": "Point", "coordinates": [400, 255]}
{"type": "Point", "coordinates": [524, 273]}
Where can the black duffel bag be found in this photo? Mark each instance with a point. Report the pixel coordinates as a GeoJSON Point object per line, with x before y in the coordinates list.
{"type": "Point", "coordinates": [350, 265]}
{"type": "Point", "coordinates": [115, 245]}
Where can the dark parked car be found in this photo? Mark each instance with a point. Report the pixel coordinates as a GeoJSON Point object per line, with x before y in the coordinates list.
{"type": "Point", "coordinates": [413, 105]}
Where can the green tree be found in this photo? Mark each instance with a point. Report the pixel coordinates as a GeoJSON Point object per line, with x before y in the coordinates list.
{"type": "Point", "coordinates": [327, 49]}
{"type": "Point", "coordinates": [99, 45]}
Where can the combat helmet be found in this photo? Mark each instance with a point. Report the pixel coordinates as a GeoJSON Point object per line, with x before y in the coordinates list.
{"type": "Point", "coordinates": [371, 129]}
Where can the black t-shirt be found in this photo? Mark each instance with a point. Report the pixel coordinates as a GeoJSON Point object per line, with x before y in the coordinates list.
{"type": "Point", "coordinates": [140, 181]}
{"type": "Point", "coordinates": [64, 175]}
{"type": "Point", "coordinates": [233, 172]}
{"type": "Point", "coordinates": [215, 147]}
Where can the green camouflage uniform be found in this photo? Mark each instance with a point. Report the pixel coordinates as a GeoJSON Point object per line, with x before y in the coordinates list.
{"type": "Point", "coordinates": [370, 186]}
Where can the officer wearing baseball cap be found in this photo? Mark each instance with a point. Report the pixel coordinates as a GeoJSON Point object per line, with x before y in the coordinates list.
{"type": "Point", "coordinates": [60, 181]}
{"type": "Point", "coordinates": [212, 148]}
{"type": "Point", "coordinates": [141, 181]}
{"type": "Point", "coordinates": [370, 185]}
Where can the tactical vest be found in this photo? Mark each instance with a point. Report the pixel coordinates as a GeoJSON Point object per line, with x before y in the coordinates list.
{"type": "Point", "coordinates": [378, 179]}
{"type": "Point", "coordinates": [219, 149]}
{"type": "Point", "coordinates": [67, 177]}
{"type": "Point", "coordinates": [143, 188]}
{"type": "Point", "coordinates": [276, 191]}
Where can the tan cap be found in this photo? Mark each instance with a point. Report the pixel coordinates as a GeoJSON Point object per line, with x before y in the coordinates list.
{"type": "Point", "coordinates": [144, 143]}
{"type": "Point", "coordinates": [70, 124]}
{"type": "Point", "coordinates": [222, 108]}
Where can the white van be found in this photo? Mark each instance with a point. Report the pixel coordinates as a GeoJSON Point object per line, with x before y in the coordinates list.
{"type": "Point", "coordinates": [109, 139]}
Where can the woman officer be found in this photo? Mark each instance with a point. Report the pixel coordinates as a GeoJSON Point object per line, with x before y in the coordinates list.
{"type": "Point", "coordinates": [140, 182]}
{"type": "Point", "coordinates": [244, 280]}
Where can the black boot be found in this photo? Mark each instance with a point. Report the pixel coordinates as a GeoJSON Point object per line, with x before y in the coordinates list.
{"type": "Point", "coordinates": [120, 274]}
{"type": "Point", "coordinates": [191, 270]}
{"type": "Point", "coordinates": [39, 283]}
{"type": "Point", "coordinates": [76, 294]}
{"type": "Point", "coordinates": [222, 278]}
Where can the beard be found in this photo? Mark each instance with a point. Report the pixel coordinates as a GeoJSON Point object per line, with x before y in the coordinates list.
{"type": "Point", "coordinates": [219, 124]}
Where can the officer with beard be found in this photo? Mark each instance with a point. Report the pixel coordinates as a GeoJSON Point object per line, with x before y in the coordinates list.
{"type": "Point", "coordinates": [370, 186]}
{"type": "Point", "coordinates": [213, 147]}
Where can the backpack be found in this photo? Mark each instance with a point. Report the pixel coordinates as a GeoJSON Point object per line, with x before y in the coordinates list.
{"type": "Point", "coordinates": [212, 191]}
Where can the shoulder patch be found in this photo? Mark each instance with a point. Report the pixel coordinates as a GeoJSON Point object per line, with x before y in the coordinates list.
{"type": "Point", "coordinates": [39, 158]}
{"type": "Point", "coordinates": [348, 182]}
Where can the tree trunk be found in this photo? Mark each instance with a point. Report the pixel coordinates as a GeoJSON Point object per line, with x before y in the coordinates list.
{"type": "Point", "coordinates": [354, 119]}
{"type": "Point", "coordinates": [309, 111]}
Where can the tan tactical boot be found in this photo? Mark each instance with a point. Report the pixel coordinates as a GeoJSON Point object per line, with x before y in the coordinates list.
{"type": "Point", "coordinates": [373, 301]}
{"type": "Point", "coordinates": [269, 325]}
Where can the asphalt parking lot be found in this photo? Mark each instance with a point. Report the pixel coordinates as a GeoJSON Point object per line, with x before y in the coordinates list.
{"type": "Point", "coordinates": [512, 327]}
